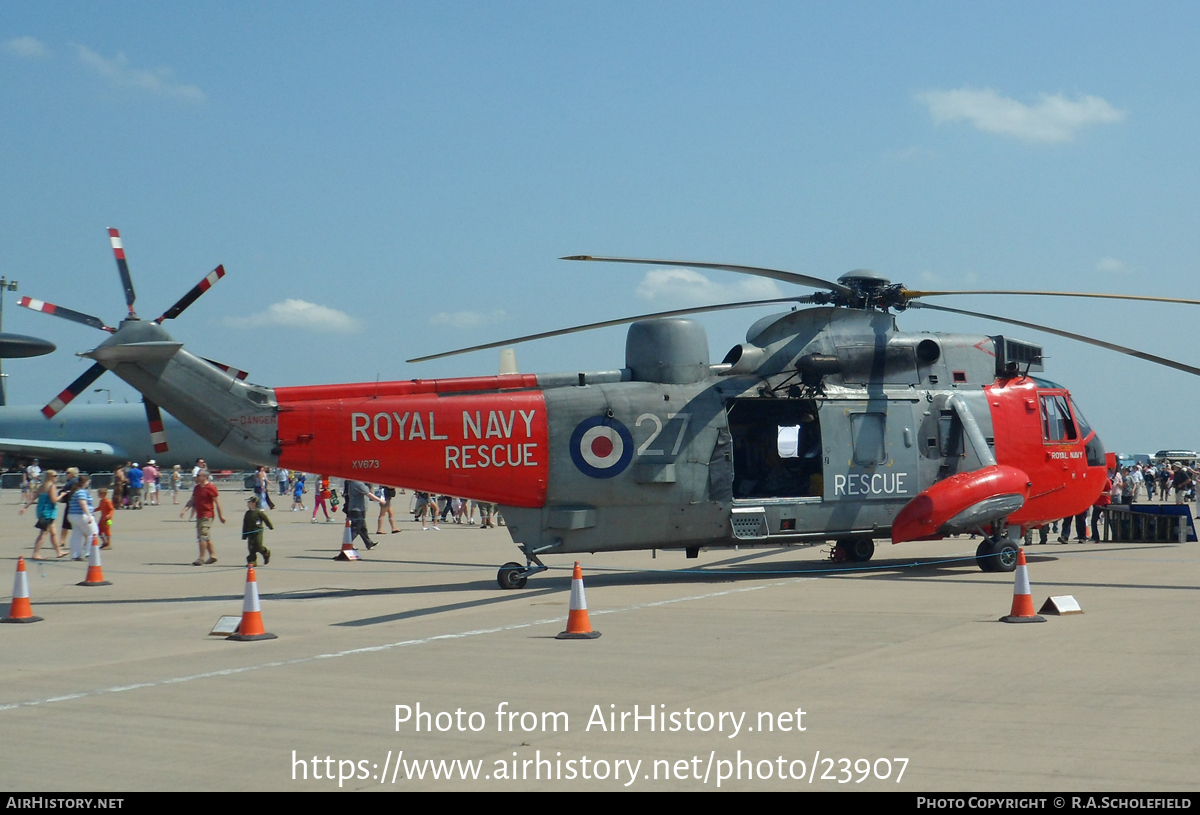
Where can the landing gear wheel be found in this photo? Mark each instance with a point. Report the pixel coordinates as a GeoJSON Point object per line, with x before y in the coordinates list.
{"type": "Point", "coordinates": [985, 557]}
{"type": "Point", "coordinates": [1006, 556]}
{"type": "Point", "coordinates": [997, 556]}
{"type": "Point", "coordinates": [862, 549]}
{"type": "Point", "coordinates": [510, 577]}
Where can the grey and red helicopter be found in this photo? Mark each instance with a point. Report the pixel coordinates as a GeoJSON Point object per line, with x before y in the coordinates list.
{"type": "Point", "coordinates": [828, 424]}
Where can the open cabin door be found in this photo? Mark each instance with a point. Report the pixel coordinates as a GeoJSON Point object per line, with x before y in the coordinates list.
{"type": "Point", "coordinates": [777, 448]}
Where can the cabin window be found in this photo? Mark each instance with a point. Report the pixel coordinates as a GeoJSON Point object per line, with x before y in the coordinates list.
{"type": "Point", "coordinates": [1057, 424]}
{"type": "Point", "coordinates": [867, 430]}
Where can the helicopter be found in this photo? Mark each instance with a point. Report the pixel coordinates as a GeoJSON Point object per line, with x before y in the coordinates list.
{"type": "Point", "coordinates": [828, 424]}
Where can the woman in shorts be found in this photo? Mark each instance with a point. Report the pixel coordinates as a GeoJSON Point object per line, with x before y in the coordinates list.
{"type": "Point", "coordinates": [47, 511]}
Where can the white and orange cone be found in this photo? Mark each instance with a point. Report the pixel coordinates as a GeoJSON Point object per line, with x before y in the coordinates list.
{"type": "Point", "coordinates": [95, 575]}
{"type": "Point", "coordinates": [21, 611]}
{"type": "Point", "coordinates": [251, 627]}
{"type": "Point", "coordinates": [348, 551]}
{"type": "Point", "coordinates": [1022, 606]}
{"type": "Point", "coordinates": [578, 625]}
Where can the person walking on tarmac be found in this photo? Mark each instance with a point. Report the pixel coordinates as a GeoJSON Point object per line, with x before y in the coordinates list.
{"type": "Point", "coordinates": [357, 494]}
{"type": "Point", "coordinates": [321, 496]}
{"type": "Point", "coordinates": [206, 503]}
{"type": "Point", "coordinates": [385, 509]}
{"type": "Point", "coordinates": [1098, 508]}
{"type": "Point", "coordinates": [252, 531]}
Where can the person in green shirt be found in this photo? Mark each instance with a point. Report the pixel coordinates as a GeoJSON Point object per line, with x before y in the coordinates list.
{"type": "Point", "coordinates": [252, 531]}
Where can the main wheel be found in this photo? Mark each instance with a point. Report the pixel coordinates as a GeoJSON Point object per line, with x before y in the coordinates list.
{"type": "Point", "coordinates": [862, 549]}
{"type": "Point", "coordinates": [510, 577]}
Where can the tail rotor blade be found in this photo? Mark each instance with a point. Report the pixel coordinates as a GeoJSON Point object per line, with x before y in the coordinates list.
{"type": "Point", "coordinates": [114, 237]}
{"type": "Point", "coordinates": [200, 288]}
{"type": "Point", "coordinates": [158, 436]}
{"type": "Point", "coordinates": [65, 313]}
{"type": "Point", "coordinates": [74, 389]}
{"type": "Point", "coordinates": [229, 369]}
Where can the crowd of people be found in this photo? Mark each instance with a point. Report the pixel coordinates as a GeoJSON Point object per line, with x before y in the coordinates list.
{"type": "Point", "coordinates": [134, 487]}
{"type": "Point", "coordinates": [1125, 485]}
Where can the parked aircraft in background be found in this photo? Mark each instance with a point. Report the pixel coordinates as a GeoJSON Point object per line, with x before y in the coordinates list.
{"type": "Point", "coordinates": [99, 437]}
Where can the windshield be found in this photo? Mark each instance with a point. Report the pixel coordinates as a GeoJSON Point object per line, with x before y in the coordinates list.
{"type": "Point", "coordinates": [1085, 429]}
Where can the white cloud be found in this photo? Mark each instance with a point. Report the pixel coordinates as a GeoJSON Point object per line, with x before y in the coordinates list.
{"type": "Point", "coordinates": [689, 287]}
{"type": "Point", "coordinates": [1053, 119]}
{"type": "Point", "coordinates": [299, 314]}
{"type": "Point", "coordinates": [26, 47]}
{"type": "Point", "coordinates": [463, 320]}
{"type": "Point", "coordinates": [1109, 265]}
{"type": "Point", "coordinates": [159, 82]}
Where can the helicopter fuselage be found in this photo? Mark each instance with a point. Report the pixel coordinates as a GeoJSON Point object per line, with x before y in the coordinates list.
{"type": "Point", "coordinates": [589, 462]}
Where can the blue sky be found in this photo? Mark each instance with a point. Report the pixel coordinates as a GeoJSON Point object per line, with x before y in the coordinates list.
{"type": "Point", "coordinates": [387, 180]}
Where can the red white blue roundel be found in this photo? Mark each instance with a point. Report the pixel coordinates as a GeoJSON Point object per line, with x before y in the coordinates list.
{"type": "Point", "coordinates": [601, 447]}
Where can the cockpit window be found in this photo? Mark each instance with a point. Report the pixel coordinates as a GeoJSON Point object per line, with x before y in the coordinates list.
{"type": "Point", "coordinates": [1057, 424]}
{"type": "Point", "coordinates": [1085, 429]}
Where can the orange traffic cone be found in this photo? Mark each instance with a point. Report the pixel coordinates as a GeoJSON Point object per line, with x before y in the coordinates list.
{"type": "Point", "coordinates": [251, 627]}
{"type": "Point", "coordinates": [95, 575]}
{"type": "Point", "coordinates": [21, 611]}
{"type": "Point", "coordinates": [578, 625]}
{"type": "Point", "coordinates": [1022, 607]}
{"type": "Point", "coordinates": [348, 551]}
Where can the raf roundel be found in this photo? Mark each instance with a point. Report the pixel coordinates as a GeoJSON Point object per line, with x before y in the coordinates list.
{"type": "Point", "coordinates": [601, 447]}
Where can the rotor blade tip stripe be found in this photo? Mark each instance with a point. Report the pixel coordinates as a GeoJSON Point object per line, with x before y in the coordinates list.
{"type": "Point", "coordinates": [58, 403]}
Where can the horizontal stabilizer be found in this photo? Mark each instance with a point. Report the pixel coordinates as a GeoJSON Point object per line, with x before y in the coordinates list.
{"type": "Point", "coordinates": [155, 351]}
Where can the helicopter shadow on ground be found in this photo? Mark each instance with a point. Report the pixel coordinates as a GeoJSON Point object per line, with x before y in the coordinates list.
{"type": "Point", "coordinates": [731, 570]}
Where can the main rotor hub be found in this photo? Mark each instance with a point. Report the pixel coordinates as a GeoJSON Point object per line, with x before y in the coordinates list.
{"type": "Point", "coordinates": [864, 279]}
{"type": "Point", "coordinates": [867, 290]}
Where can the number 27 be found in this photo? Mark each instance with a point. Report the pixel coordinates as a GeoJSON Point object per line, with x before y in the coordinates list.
{"type": "Point", "coordinates": [658, 428]}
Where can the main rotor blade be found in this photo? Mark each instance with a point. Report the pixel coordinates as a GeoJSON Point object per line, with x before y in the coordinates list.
{"type": "Point", "coordinates": [777, 274]}
{"type": "Point", "coordinates": [609, 323]}
{"type": "Point", "coordinates": [158, 436]}
{"type": "Point", "coordinates": [74, 389]}
{"type": "Point", "coordinates": [1120, 349]}
{"type": "Point", "coordinates": [200, 288]}
{"type": "Point", "coordinates": [65, 313]}
{"type": "Point", "coordinates": [908, 293]}
{"type": "Point", "coordinates": [114, 237]}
